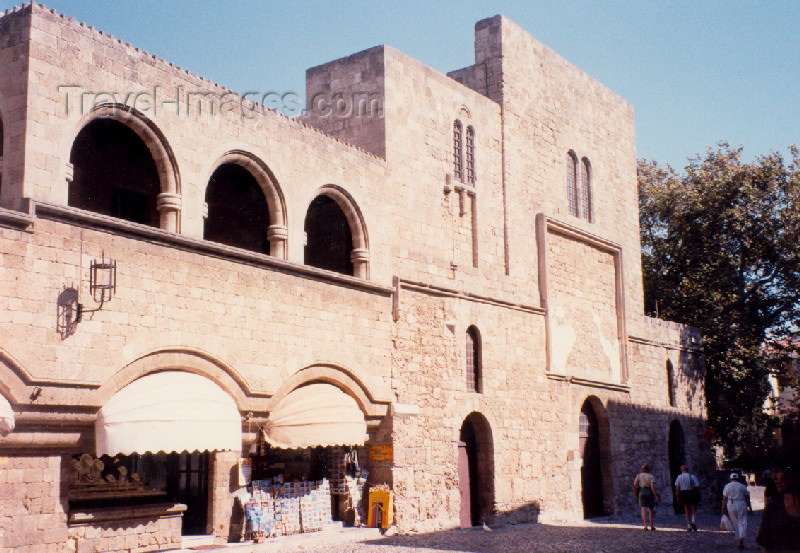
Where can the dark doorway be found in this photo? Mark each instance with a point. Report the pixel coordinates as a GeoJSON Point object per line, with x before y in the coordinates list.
{"type": "Point", "coordinates": [187, 482]}
{"type": "Point", "coordinates": [677, 457]}
{"type": "Point", "coordinates": [591, 462]}
{"type": "Point", "coordinates": [475, 471]}
{"type": "Point", "coordinates": [114, 173]}
{"type": "Point", "coordinates": [329, 241]}
{"type": "Point", "coordinates": [238, 214]}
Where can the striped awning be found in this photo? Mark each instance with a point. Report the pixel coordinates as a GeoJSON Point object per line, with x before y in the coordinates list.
{"type": "Point", "coordinates": [314, 415]}
{"type": "Point", "coordinates": [171, 411]}
{"type": "Point", "coordinates": [6, 417]}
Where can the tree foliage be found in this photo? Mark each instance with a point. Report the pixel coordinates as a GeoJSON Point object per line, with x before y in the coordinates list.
{"type": "Point", "coordinates": [721, 251]}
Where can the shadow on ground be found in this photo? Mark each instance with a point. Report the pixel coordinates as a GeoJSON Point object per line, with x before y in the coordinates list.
{"type": "Point", "coordinates": [608, 534]}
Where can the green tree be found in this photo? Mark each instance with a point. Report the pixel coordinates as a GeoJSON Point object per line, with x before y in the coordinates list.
{"type": "Point", "coordinates": [721, 251]}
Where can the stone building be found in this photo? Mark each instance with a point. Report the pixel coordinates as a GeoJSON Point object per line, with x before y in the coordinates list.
{"type": "Point", "coordinates": [454, 257]}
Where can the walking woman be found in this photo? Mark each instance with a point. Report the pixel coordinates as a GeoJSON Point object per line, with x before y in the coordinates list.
{"type": "Point", "coordinates": [644, 488]}
{"type": "Point", "coordinates": [736, 502]}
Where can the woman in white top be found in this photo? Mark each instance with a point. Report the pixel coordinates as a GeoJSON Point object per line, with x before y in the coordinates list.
{"type": "Point", "coordinates": [736, 503]}
{"type": "Point", "coordinates": [644, 489]}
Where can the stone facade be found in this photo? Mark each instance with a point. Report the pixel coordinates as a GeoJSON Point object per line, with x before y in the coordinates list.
{"type": "Point", "coordinates": [556, 299]}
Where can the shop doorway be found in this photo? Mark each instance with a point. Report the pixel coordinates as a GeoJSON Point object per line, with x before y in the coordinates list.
{"type": "Point", "coordinates": [677, 456]}
{"type": "Point", "coordinates": [591, 462]}
{"type": "Point", "coordinates": [475, 471]}
{"type": "Point", "coordinates": [187, 483]}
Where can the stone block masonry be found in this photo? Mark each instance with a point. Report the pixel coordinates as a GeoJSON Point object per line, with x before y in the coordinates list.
{"type": "Point", "coordinates": [493, 338]}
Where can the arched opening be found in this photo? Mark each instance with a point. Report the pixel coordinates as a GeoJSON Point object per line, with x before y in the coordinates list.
{"type": "Point", "coordinates": [476, 471]}
{"type": "Point", "coordinates": [473, 360]}
{"type": "Point", "coordinates": [329, 240]}
{"type": "Point", "coordinates": [670, 383]}
{"type": "Point", "coordinates": [572, 184]}
{"type": "Point", "coordinates": [238, 214]}
{"type": "Point", "coordinates": [114, 173]}
{"type": "Point", "coordinates": [677, 456]}
{"type": "Point", "coordinates": [593, 449]}
{"type": "Point", "coordinates": [586, 189]}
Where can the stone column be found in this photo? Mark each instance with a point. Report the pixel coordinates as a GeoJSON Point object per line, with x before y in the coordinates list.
{"type": "Point", "coordinates": [277, 236]}
{"type": "Point", "coordinates": [224, 521]}
{"type": "Point", "coordinates": [360, 259]}
{"type": "Point", "coordinates": [169, 206]}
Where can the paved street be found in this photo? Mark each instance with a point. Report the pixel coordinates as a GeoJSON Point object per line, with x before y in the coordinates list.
{"type": "Point", "coordinates": [602, 535]}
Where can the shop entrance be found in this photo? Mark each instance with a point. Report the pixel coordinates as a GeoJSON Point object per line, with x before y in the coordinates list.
{"type": "Point", "coordinates": [591, 462]}
{"type": "Point", "coordinates": [187, 482]}
{"type": "Point", "coordinates": [475, 471]}
{"type": "Point", "coordinates": [677, 457]}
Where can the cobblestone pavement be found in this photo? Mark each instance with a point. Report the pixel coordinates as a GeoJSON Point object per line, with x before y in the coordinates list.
{"type": "Point", "coordinates": [602, 535]}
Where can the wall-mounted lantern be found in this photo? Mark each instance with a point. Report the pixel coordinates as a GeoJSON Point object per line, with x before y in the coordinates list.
{"type": "Point", "coordinates": [102, 284]}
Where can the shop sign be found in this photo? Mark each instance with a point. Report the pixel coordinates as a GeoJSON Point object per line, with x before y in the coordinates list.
{"type": "Point", "coordinates": [245, 471]}
{"type": "Point", "coordinates": [381, 453]}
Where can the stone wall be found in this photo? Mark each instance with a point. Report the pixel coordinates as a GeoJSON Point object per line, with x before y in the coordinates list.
{"type": "Point", "coordinates": [32, 503]}
{"type": "Point", "coordinates": [443, 256]}
{"type": "Point", "coordinates": [131, 530]}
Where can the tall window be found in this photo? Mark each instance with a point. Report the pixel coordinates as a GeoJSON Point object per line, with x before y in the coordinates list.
{"type": "Point", "coordinates": [586, 190]}
{"type": "Point", "coordinates": [670, 383]}
{"type": "Point", "coordinates": [572, 183]}
{"type": "Point", "coordinates": [458, 159]}
{"type": "Point", "coordinates": [473, 359]}
{"type": "Point", "coordinates": [470, 155]}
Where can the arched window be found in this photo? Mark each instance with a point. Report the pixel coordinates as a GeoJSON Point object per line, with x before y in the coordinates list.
{"type": "Point", "coordinates": [473, 360]}
{"type": "Point", "coordinates": [238, 214]}
{"type": "Point", "coordinates": [458, 154]}
{"type": "Point", "coordinates": [470, 155]}
{"type": "Point", "coordinates": [670, 383]}
{"type": "Point", "coordinates": [114, 173]}
{"type": "Point", "coordinates": [586, 190]}
{"type": "Point", "coordinates": [329, 240]}
{"type": "Point", "coordinates": [572, 183]}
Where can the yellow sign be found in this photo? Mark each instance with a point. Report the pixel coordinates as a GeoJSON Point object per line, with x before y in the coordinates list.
{"type": "Point", "coordinates": [381, 453]}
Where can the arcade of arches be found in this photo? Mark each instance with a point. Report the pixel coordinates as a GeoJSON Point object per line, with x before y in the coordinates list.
{"type": "Point", "coordinates": [114, 173]}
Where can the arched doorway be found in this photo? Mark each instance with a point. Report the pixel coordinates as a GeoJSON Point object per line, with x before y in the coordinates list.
{"type": "Point", "coordinates": [591, 453]}
{"type": "Point", "coordinates": [475, 471]}
{"type": "Point", "coordinates": [677, 457]}
{"type": "Point", "coordinates": [114, 173]}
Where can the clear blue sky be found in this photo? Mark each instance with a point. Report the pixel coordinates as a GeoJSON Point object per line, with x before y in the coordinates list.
{"type": "Point", "coordinates": [696, 72]}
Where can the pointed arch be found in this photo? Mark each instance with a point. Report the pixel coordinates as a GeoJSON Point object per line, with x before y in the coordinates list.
{"type": "Point", "coordinates": [458, 151]}
{"type": "Point", "coordinates": [572, 183]}
{"type": "Point", "coordinates": [586, 189]}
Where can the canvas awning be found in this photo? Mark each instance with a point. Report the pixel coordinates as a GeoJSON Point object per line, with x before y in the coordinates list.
{"type": "Point", "coordinates": [170, 411]}
{"type": "Point", "coordinates": [316, 415]}
{"type": "Point", "coordinates": [6, 417]}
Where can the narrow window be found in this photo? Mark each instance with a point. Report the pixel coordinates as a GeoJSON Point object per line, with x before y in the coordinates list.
{"type": "Point", "coordinates": [572, 183]}
{"type": "Point", "coordinates": [238, 214]}
{"type": "Point", "coordinates": [470, 155]}
{"type": "Point", "coordinates": [473, 360]}
{"type": "Point", "coordinates": [458, 159]}
{"type": "Point", "coordinates": [586, 190]}
{"type": "Point", "coordinates": [114, 173]}
{"type": "Point", "coordinates": [670, 383]}
{"type": "Point", "coordinates": [329, 241]}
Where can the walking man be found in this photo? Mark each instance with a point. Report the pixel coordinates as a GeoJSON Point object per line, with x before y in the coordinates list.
{"type": "Point", "coordinates": [687, 490]}
{"type": "Point", "coordinates": [736, 502]}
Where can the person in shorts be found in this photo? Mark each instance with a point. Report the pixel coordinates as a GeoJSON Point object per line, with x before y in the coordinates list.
{"type": "Point", "coordinates": [687, 490]}
{"type": "Point", "coordinates": [644, 488]}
